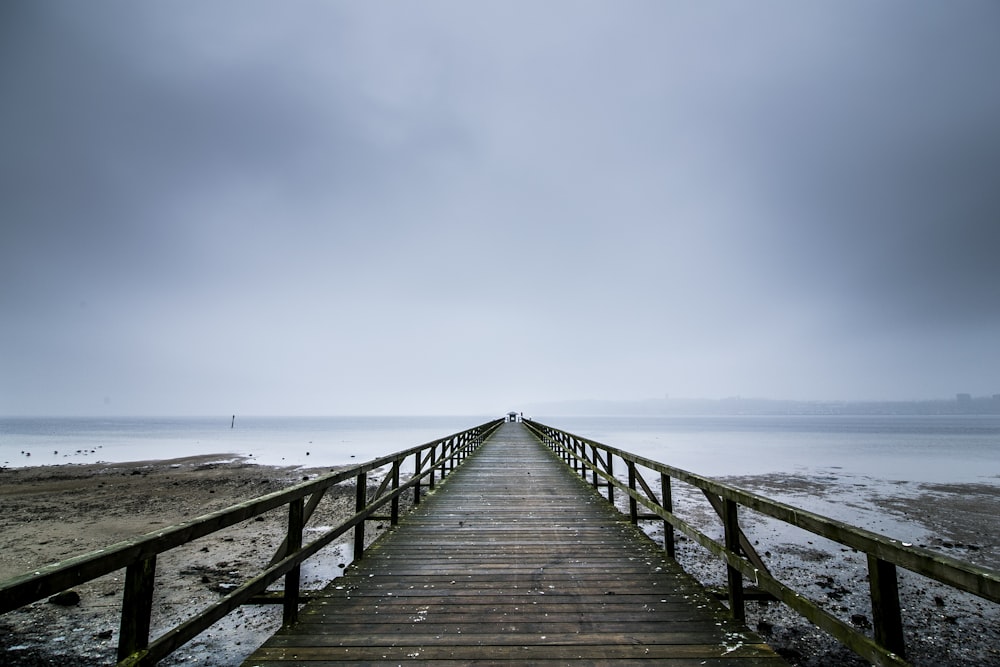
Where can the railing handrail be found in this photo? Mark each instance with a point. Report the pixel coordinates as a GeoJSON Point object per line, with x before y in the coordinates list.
{"type": "Point", "coordinates": [883, 553]}
{"type": "Point", "coordinates": [45, 581]}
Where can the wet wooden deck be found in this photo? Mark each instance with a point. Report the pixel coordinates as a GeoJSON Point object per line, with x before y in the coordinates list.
{"type": "Point", "coordinates": [514, 560]}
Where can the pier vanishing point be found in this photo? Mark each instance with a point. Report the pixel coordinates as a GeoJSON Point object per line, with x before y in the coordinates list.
{"type": "Point", "coordinates": [523, 546]}
{"type": "Point", "coordinates": [515, 559]}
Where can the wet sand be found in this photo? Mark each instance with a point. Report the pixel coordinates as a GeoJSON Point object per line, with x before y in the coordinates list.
{"type": "Point", "coordinates": [53, 512]}
{"type": "Point", "coordinates": [943, 627]}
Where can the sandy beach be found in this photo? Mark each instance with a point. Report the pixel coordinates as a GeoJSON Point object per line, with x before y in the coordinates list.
{"type": "Point", "coordinates": [52, 512]}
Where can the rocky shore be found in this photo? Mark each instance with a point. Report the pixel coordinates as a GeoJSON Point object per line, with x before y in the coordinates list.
{"type": "Point", "coordinates": [53, 512]}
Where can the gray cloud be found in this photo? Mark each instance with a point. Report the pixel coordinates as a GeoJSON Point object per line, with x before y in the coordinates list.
{"type": "Point", "coordinates": [452, 208]}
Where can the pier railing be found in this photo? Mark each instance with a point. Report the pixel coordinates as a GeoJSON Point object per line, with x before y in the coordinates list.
{"type": "Point", "coordinates": [601, 464]}
{"type": "Point", "coordinates": [138, 556]}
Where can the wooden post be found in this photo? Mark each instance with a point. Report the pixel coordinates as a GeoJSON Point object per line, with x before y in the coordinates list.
{"type": "Point", "coordinates": [886, 614]}
{"type": "Point", "coordinates": [611, 476]}
{"type": "Point", "coordinates": [633, 507]}
{"type": "Point", "coordinates": [416, 476]}
{"type": "Point", "coordinates": [668, 504]}
{"type": "Point", "coordinates": [137, 607]}
{"type": "Point", "coordinates": [434, 458]}
{"type": "Point", "coordinates": [730, 520]}
{"type": "Point", "coordinates": [593, 456]}
{"type": "Point", "coordinates": [360, 502]}
{"type": "Point", "coordinates": [296, 518]}
{"type": "Point", "coordinates": [394, 505]}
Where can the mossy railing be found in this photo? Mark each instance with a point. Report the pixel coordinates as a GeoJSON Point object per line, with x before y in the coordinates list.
{"type": "Point", "coordinates": [138, 556]}
{"type": "Point", "coordinates": [595, 460]}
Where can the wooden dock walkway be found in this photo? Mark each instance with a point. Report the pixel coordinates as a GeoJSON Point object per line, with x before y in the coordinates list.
{"type": "Point", "coordinates": [513, 559]}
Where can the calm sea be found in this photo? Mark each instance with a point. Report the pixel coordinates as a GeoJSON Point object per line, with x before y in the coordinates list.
{"type": "Point", "coordinates": [946, 449]}
{"type": "Point", "coordinates": [910, 448]}
{"type": "Point", "coordinates": [300, 441]}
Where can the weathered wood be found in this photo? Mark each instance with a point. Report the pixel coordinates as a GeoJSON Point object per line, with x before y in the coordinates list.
{"type": "Point", "coordinates": [394, 503]}
{"type": "Point", "coordinates": [314, 500]}
{"type": "Point", "coordinates": [718, 504]}
{"type": "Point", "coordinates": [360, 502]}
{"type": "Point", "coordinates": [873, 651]}
{"type": "Point", "coordinates": [886, 613]}
{"type": "Point", "coordinates": [50, 579]}
{"type": "Point", "coordinates": [507, 561]}
{"type": "Point", "coordinates": [417, 467]}
{"type": "Point", "coordinates": [964, 576]}
{"type": "Point", "coordinates": [137, 607]}
{"type": "Point", "coordinates": [514, 555]}
{"type": "Point", "coordinates": [296, 519]}
{"type": "Point", "coordinates": [633, 505]}
{"type": "Point", "coordinates": [731, 524]}
{"type": "Point", "coordinates": [666, 492]}
{"type": "Point", "coordinates": [139, 557]}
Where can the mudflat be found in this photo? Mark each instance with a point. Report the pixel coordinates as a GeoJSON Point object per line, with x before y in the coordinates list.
{"type": "Point", "coordinates": [50, 513]}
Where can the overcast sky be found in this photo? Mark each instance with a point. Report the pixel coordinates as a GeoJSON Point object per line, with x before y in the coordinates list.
{"type": "Point", "coordinates": [460, 207]}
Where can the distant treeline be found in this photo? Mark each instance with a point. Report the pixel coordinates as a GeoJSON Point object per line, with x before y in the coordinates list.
{"type": "Point", "coordinates": [963, 404]}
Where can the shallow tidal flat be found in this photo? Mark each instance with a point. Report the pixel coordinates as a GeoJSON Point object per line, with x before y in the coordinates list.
{"type": "Point", "coordinates": [50, 513]}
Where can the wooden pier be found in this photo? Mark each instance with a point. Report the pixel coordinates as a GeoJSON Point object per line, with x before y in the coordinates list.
{"type": "Point", "coordinates": [514, 559]}
{"type": "Point", "coordinates": [517, 556]}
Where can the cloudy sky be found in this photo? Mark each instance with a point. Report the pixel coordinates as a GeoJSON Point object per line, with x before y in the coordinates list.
{"type": "Point", "coordinates": [456, 208]}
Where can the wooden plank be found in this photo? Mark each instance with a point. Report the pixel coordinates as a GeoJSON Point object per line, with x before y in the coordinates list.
{"type": "Point", "coordinates": [500, 634]}
{"type": "Point", "coordinates": [528, 653]}
{"type": "Point", "coordinates": [514, 558]}
{"type": "Point", "coordinates": [534, 661]}
{"type": "Point", "coordinates": [56, 577]}
{"type": "Point", "coordinates": [950, 571]}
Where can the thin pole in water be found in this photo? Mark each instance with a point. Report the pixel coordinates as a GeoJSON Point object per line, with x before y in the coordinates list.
{"type": "Point", "coordinates": [233, 425]}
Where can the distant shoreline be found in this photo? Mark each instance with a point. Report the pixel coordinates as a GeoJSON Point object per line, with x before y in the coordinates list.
{"type": "Point", "coordinates": [738, 406]}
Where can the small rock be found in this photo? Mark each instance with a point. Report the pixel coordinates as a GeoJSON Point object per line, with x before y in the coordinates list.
{"type": "Point", "coordinates": [860, 620]}
{"type": "Point", "coordinates": [224, 588]}
{"type": "Point", "coordinates": [104, 634]}
{"type": "Point", "coordinates": [765, 627]}
{"type": "Point", "coordinates": [66, 599]}
{"type": "Point", "coordinates": [938, 600]}
{"type": "Point", "coordinates": [789, 654]}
